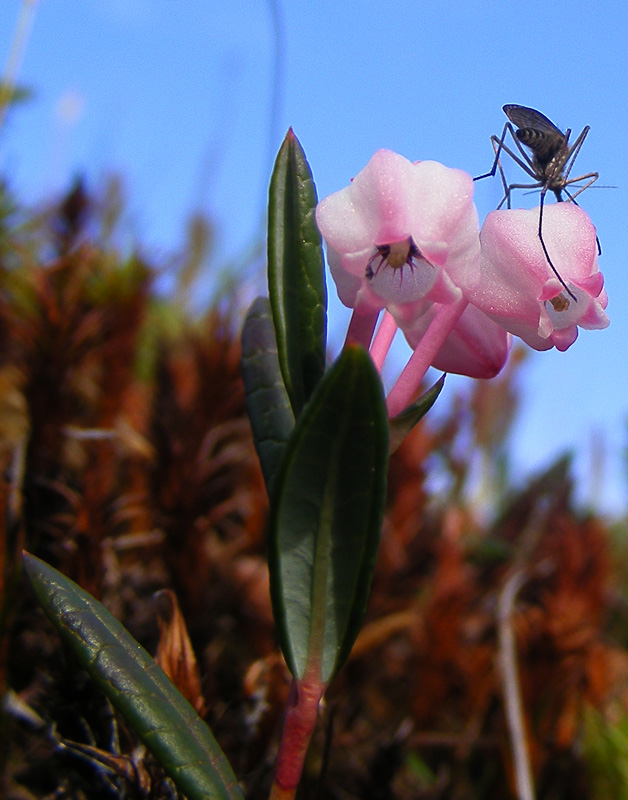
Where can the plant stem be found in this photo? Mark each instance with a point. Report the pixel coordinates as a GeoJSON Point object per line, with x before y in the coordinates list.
{"type": "Point", "coordinates": [511, 686]}
{"type": "Point", "coordinates": [361, 328]}
{"type": "Point", "coordinates": [383, 340]}
{"type": "Point", "coordinates": [301, 715]}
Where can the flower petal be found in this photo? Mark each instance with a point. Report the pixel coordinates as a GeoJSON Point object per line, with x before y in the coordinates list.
{"type": "Point", "coordinates": [393, 204]}
{"type": "Point", "coordinates": [518, 288]}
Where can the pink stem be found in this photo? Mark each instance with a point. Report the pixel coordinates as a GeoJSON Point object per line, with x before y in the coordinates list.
{"type": "Point", "coordinates": [408, 382]}
{"type": "Point", "coordinates": [305, 696]}
{"type": "Point", "coordinates": [383, 339]}
{"type": "Point", "coordinates": [361, 328]}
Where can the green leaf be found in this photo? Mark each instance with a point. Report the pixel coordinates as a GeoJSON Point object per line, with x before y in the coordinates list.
{"type": "Point", "coordinates": [296, 273]}
{"type": "Point", "coordinates": [137, 687]}
{"type": "Point", "coordinates": [402, 424]}
{"type": "Point", "coordinates": [326, 516]}
{"type": "Point", "coordinates": [267, 401]}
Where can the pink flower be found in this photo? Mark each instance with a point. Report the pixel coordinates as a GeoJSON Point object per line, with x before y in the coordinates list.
{"type": "Point", "coordinates": [405, 237]}
{"type": "Point", "coordinates": [401, 236]}
{"type": "Point", "coordinates": [476, 346]}
{"type": "Point", "coordinates": [518, 288]}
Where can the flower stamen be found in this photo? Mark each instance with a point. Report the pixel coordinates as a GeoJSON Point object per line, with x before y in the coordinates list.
{"type": "Point", "coordinates": [396, 256]}
{"type": "Point", "coordinates": [560, 302]}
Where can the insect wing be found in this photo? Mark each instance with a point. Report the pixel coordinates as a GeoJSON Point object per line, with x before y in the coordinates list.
{"type": "Point", "coordinates": [524, 117]}
{"type": "Point", "coordinates": [537, 132]}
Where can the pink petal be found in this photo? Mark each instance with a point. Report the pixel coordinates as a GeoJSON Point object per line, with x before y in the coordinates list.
{"type": "Point", "coordinates": [517, 283]}
{"type": "Point", "coordinates": [390, 202]}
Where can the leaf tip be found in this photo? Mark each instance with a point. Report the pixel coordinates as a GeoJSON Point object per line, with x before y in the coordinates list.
{"type": "Point", "coordinates": [28, 561]}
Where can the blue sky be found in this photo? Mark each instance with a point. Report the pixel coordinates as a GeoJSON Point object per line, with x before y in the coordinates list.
{"type": "Point", "coordinates": [177, 98]}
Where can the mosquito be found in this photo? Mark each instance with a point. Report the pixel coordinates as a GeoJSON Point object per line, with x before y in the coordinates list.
{"type": "Point", "coordinates": [550, 165]}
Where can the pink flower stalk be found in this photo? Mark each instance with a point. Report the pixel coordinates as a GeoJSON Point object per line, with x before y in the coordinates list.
{"type": "Point", "coordinates": [445, 319]}
{"type": "Point", "coordinates": [476, 346]}
{"type": "Point", "coordinates": [519, 290]}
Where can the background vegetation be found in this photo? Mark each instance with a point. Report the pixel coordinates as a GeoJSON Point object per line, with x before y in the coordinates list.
{"type": "Point", "coordinates": [127, 463]}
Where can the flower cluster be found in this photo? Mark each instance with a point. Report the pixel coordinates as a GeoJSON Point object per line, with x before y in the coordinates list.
{"type": "Point", "coordinates": [404, 237]}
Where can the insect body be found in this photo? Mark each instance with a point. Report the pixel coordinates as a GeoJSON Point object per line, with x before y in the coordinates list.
{"type": "Point", "coordinates": [552, 155]}
{"type": "Point", "coordinates": [549, 166]}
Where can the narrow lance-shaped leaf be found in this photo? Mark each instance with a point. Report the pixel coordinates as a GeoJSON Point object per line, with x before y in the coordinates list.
{"type": "Point", "coordinates": [402, 424]}
{"type": "Point", "coordinates": [326, 516]}
{"type": "Point", "coordinates": [137, 687]}
{"type": "Point", "coordinates": [296, 273]}
{"type": "Point", "coordinates": [267, 401]}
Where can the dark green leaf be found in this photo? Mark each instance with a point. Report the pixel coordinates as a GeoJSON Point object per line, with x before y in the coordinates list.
{"type": "Point", "coordinates": [267, 402]}
{"type": "Point", "coordinates": [137, 687]}
{"type": "Point", "coordinates": [296, 273]}
{"type": "Point", "coordinates": [326, 516]}
{"type": "Point", "coordinates": [402, 424]}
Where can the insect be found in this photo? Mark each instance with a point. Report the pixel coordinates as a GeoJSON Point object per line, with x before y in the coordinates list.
{"type": "Point", "coordinates": [549, 166]}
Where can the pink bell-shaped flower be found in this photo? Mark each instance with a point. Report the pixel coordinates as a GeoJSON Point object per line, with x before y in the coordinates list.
{"type": "Point", "coordinates": [401, 236]}
{"type": "Point", "coordinates": [518, 288]}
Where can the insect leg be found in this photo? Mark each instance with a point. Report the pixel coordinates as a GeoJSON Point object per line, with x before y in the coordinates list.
{"type": "Point", "coordinates": [572, 197]}
{"type": "Point", "coordinates": [591, 176]}
{"type": "Point", "coordinates": [573, 152]}
{"type": "Point", "coordinates": [500, 144]}
{"type": "Point", "coordinates": [547, 255]}
{"type": "Point", "coordinates": [506, 197]}
{"type": "Point", "coordinates": [526, 164]}
{"type": "Point", "coordinates": [537, 185]}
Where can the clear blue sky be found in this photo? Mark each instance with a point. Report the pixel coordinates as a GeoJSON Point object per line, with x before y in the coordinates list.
{"type": "Point", "coordinates": [176, 97]}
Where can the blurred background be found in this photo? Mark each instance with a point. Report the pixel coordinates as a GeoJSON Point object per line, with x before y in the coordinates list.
{"type": "Point", "coordinates": [188, 103]}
